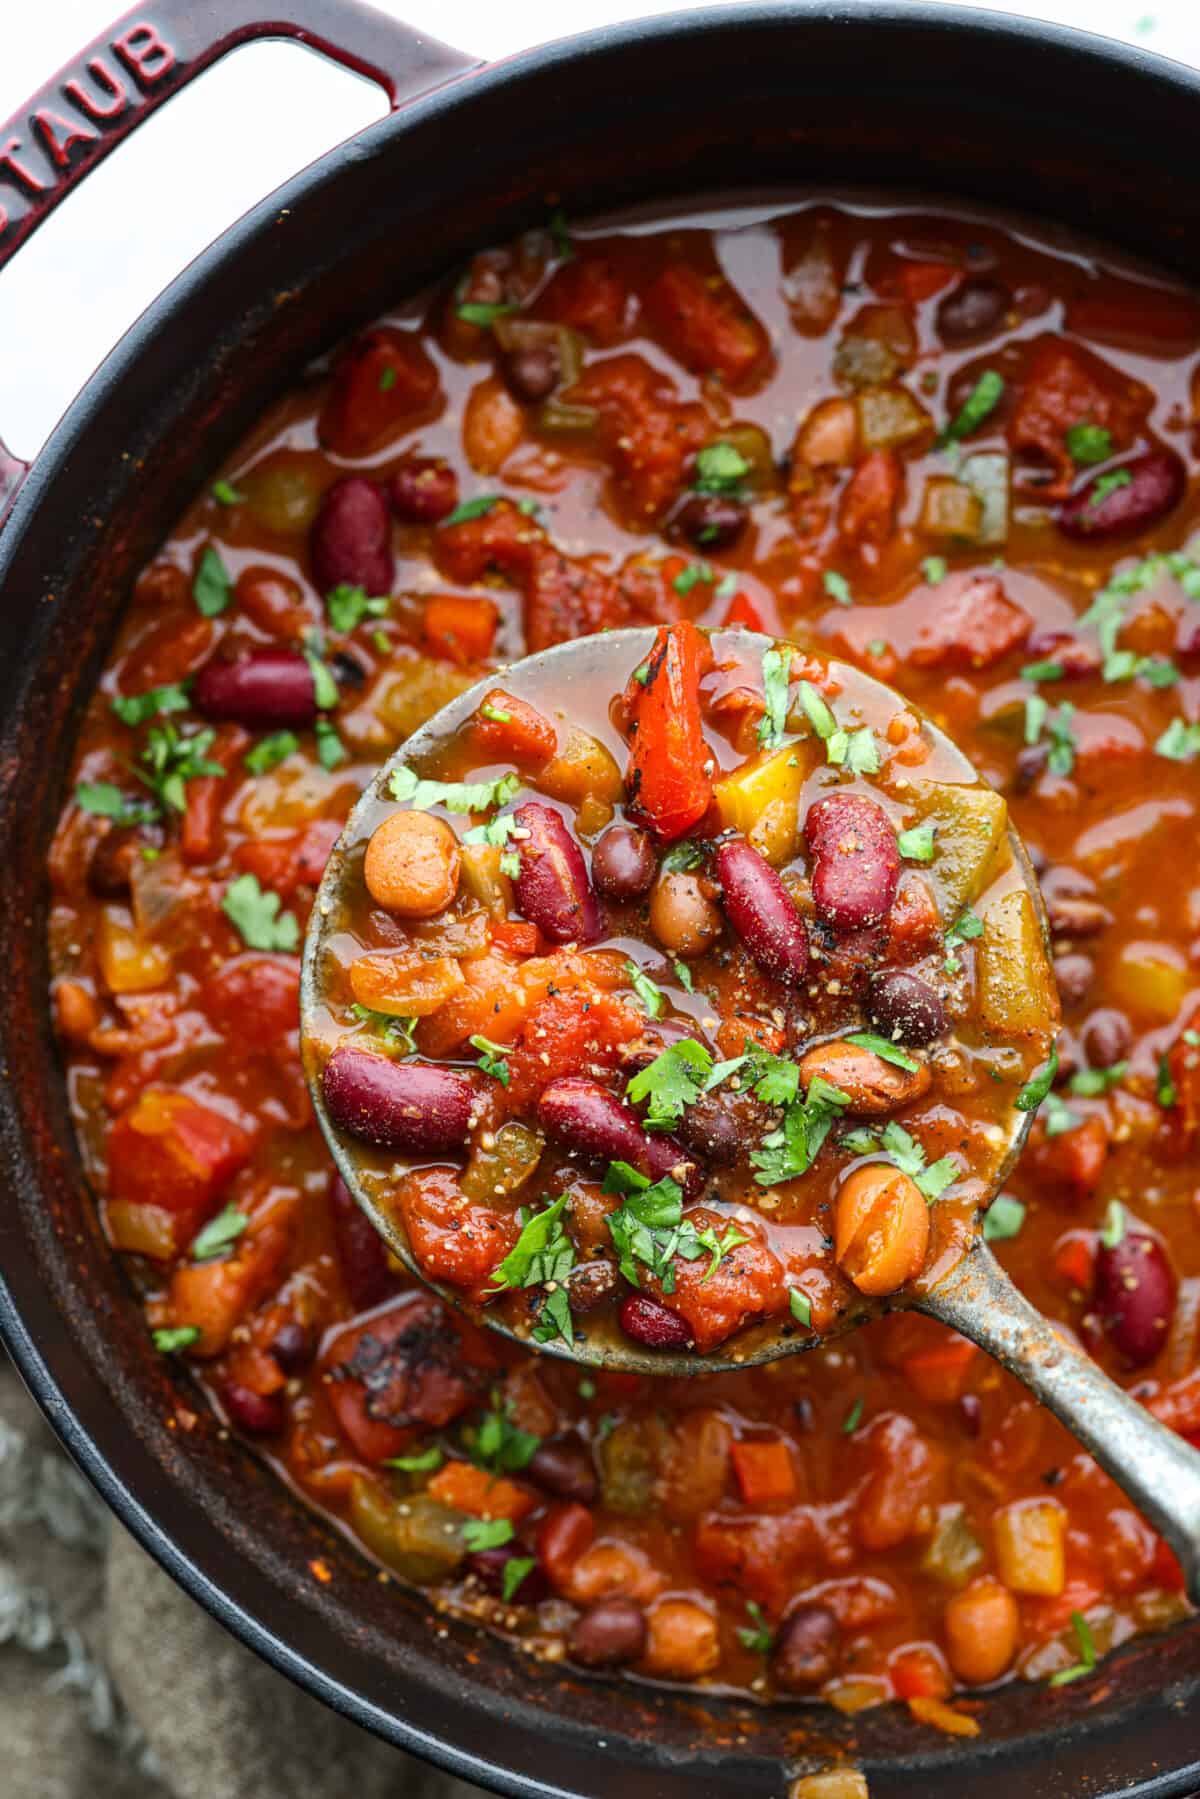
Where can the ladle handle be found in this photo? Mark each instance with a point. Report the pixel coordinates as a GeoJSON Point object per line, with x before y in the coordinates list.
{"type": "Point", "coordinates": [1156, 1468]}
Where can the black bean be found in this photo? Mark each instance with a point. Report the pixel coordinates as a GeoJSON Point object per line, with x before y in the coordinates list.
{"type": "Point", "coordinates": [710, 521]}
{"type": "Point", "coordinates": [623, 863]}
{"type": "Point", "coordinates": [974, 309]}
{"type": "Point", "coordinates": [292, 1345]}
{"type": "Point", "coordinates": [610, 1632]}
{"type": "Point", "coordinates": [805, 1649]}
{"type": "Point", "coordinates": [723, 1127]}
{"type": "Point", "coordinates": [533, 373]}
{"type": "Point", "coordinates": [489, 1566]}
{"type": "Point", "coordinates": [563, 1465]}
{"type": "Point", "coordinates": [258, 1414]}
{"type": "Point", "coordinates": [905, 1007]}
{"type": "Point", "coordinates": [1107, 1037]}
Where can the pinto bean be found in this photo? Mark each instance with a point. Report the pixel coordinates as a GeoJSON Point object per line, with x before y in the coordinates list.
{"type": "Point", "coordinates": [361, 1251]}
{"type": "Point", "coordinates": [396, 1105]}
{"type": "Point", "coordinates": [488, 1566]}
{"type": "Point", "coordinates": [805, 1651]}
{"type": "Point", "coordinates": [609, 1633]}
{"type": "Point", "coordinates": [553, 890]}
{"type": "Point", "coordinates": [982, 1625]}
{"type": "Point", "coordinates": [875, 1087]}
{"type": "Point", "coordinates": [351, 538]}
{"type": "Point", "coordinates": [762, 912]}
{"type": "Point", "coordinates": [1150, 486]}
{"type": "Point", "coordinates": [258, 1414]}
{"type": "Point", "coordinates": [711, 521]}
{"type": "Point", "coordinates": [1135, 1294]}
{"type": "Point", "coordinates": [585, 1117]}
{"type": "Point", "coordinates": [856, 861]}
{"type": "Point", "coordinates": [655, 1326]}
{"type": "Point", "coordinates": [412, 864]}
{"type": "Point", "coordinates": [683, 914]}
{"type": "Point", "coordinates": [973, 310]}
{"type": "Point", "coordinates": [905, 1007]}
{"type": "Point", "coordinates": [881, 1228]}
{"type": "Point", "coordinates": [265, 690]}
{"type": "Point", "coordinates": [623, 863]}
{"type": "Point", "coordinates": [423, 490]}
{"type": "Point", "coordinates": [1107, 1037]}
{"type": "Point", "coordinates": [563, 1466]}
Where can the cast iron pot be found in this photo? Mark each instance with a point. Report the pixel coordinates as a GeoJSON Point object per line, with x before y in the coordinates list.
{"type": "Point", "coordinates": [953, 102]}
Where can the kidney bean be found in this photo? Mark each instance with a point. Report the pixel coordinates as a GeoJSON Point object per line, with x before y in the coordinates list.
{"type": "Point", "coordinates": [974, 309]}
{"type": "Point", "coordinates": [683, 914]}
{"type": "Point", "coordinates": [723, 1127]}
{"type": "Point", "coordinates": [292, 1346]}
{"type": "Point", "coordinates": [563, 1465]}
{"type": "Point", "coordinates": [623, 863]}
{"type": "Point", "coordinates": [412, 864]}
{"type": "Point", "coordinates": [1074, 975]}
{"type": "Point", "coordinates": [610, 1632]}
{"type": "Point", "coordinates": [273, 600]}
{"type": "Point", "coordinates": [488, 1565]}
{"type": "Point", "coordinates": [265, 690]}
{"type": "Point", "coordinates": [361, 1251]}
{"type": "Point", "coordinates": [591, 1284]}
{"type": "Point", "coordinates": [762, 912]}
{"type": "Point", "coordinates": [553, 890]}
{"type": "Point", "coordinates": [1030, 766]}
{"type": "Point", "coordinates": [875, 1087]}
{"type": "Point", "coordinates": [534, 372]}
{"type": "Point", "coordinates": [1135, 1294]}
{"type": "Point", "coordinates": [1073, 915]}
{"type": "Point", "coordinates": [110, 869]}
{"type": "Point", "coordinates": [881, 1228]}
{"type": "Point", "coordinates": [903, 1006]}
{"type": "Point", "coordinates": [1155, 484]}
{"type": "Point", "coordinates": [856, 861]}
{"type": "Point", "coordinates": [1107, 1037]}
{"type": "Point", "coordinates": [259, 1414]}
{"type": "Point", "coordinates": [805, 1650]}
{"type": "Point", "coordinates": [423, 490]}
{"type": "Point", "coordinates": [711, 521]}
{"type": "Point", "coordinates": [396, 1105]}
{"type": "Point", "coordinates": [585, 1117]}
{"type": "Point", "coordinates": [351, 538]}
{"type": "Point", "coordinates": [652, 1324]}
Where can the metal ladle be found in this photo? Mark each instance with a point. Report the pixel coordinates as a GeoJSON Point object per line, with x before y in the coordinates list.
{"type": "Point", "coordinates": [1156, 1468]}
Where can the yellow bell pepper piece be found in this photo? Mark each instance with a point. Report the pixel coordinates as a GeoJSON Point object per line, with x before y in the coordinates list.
{"type": "Point", "coordinates": [1015, 995]}
{"type": "Point", "coordinates": [970, 842]}
{"type": "Point", "coordinates": [762, 798]}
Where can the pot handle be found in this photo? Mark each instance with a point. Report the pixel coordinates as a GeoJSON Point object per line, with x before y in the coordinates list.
{"type": "Point", "coordinates": [127, 72]}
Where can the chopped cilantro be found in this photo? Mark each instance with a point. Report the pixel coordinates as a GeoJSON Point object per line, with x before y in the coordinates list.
{"type": "Point", "coordinates": [776, 665]}
{"type": "Point", "coordinates": [1039, 1083]}
{"type": "Point", "coordinates": [720, 468]}
{"type": "Point", "coordinates": [497, 1444]}
{"type": "Point", "coordinates": [934, 569]}
{"type": "Point", "coordinates": [495, 832]}
{"type": "Point", "coordinates": [817, 712]}
{"type": "Point", "coordinates": [1088, 443]}
{"type": "Point", "coordinates": [225, 495]}
{"type": "Point", "coordinates": [170, 760]}
{"type": "Point", "coordinates": [491, 1058]}
{"type": "Point", "coordinates": [1179, 742]}
{"type": "Point", "coordinates": [510, 864]}
{"type": "Point", "coordinates": [397, 1031]}
{"type": "Point", "coordinates": [687, 578]}
{"type": "Point", "coordinates": [1003, 1218]}
{"type": "Point", "coordinates": [135, 708]}
{"type": "Point", "coordinates": [497, 714]}
{"type": "Point", "coordinates": [257, 917]}
{"type": "Point", "coordinates": [324, 686]}
{"type": "Point", "coordinates": [885, 1049]}
{"type": "Point", "coordinates": [983, 399]}
{"type": "Point", "coordinates": [966, 926]}
{"type": "Point", "coordinates": [485, 312]}
{"type": "Point", "coordinates": [683, 975]}
{"type": "Point", "coordinates": [757, 1638]}
{"type": "Point", "coordinates": [170, 1342]}
{"type": "Point", "coordinates": [650, 995]}
{"type": "Point", "coordinates": [387, 379]}
{"type": "Point", "coordinates": [837, 587]}
{"type": "Point", "coordinates": [424, 1461]}
{"type": "Point", "coordinates": [469, 509]}
{"type": "Point", "coordinates": [1040, 721]}
{"type": "Point", "coordinates": [218, 1234]}
{"type": "Point", "coordinates": [853, 1418]}
{"type": "Point", "coordinates": [857, 751]}
{"type": "Point", "coordinates": [212, 588]}
{"type": "Point", "coordinates": [916, 845]}
{"type": "Point", "coordinates": [1057, 1116]}
{"type": "Point", "coordinates": [561, 235]}
{"type": "Point", "coordinates": [1043, 671]}
{"type": "Point", "coordinates": [1087, 1654]}
{"type": "Point", "coordinates": [1104, 485]}
{"type": "Point", "coordinates": [800, 1306]}
{"type": "Point", "coordinates": [793, 1148]}
{"type": "Point", "coordinates": [455, 796]}
{"type": "Point", "coordinates": [1089, 1083]}
{"type": "Point", "coordinates": [542, 1256]}
{"type": "Point", "coordinates": [105, 800]}
{"type": "Point", "coordinates": [331, 751]}
{"type": "Point", "coordinates": [681, 857]}
{"type": "Point", "coordinates": [649, 1228]}
{"type": "Point", "coordinates": [515, 1570]}
{"type": "Point", "coordinates": [1164, 1085]}
{"type": "Point", "coordinates": [673, 1081]}
{"type": "Point", "coordinates": [1113, 1228]}
{"type": "Point", "coordinates": [347, 606]}
{"type": "Point", "coordinates": [932, 1178]}
{"type": "Point", "coordinates": [270, 751]}
{"type": "Point", "coordinates": [479, 1534]}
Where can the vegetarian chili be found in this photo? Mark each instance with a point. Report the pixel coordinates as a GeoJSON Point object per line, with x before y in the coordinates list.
{"type": "Point", "coordinates": [928, 447]}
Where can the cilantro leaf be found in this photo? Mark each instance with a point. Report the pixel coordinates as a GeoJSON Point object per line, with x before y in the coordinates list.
{"type": "Point", "coordinates": [1113, 1229]}
{"type": "Point", "coordinates": [495, 832]}
{"type": "Point", "coordinates": [491, 1058]}
{"type": "Point", "coordinates": [650, 995]}
{"type": "Point", "coordinates": [853, 1418]}
{"type": "Point", "coordinates": [218, 1234]}
{"type": "Point", "coordinates": [1165, 1091]}
{"type": "Point", "coordinates": [479, 1534]}
{"type": "Point", "coordinates": [135, 708]}
{"type": "Point", "coordinates": [683, 975]}
{"type": "Point", "coordinates": [837, 587]}
{"type": "Point", "coordinates": [226, 495]}
{"type": "Point", "coordinates": [397, 1031]}
{"type": "Point", "coordinates": [681, 857]}
{"type": "Point", "coordinates": [793, 1148]}
{"type": "Point", "coordinates": [800, 1306]}
{"type": "Point", "coordinates": [103, 799]}
{"type": "Point", "coordinates": [758, 1639]}
{"type": "Point", "coordinates": [170, 1342]}
{"type": "Point", "coordinates": [776, 665]}
{"type": "Point", "coordinates": [256, 915]}
{"type": "Point", "coordinates": [1039, 1084]}
{"type": "Point", "coordinates": [499, 1445]}
{"type": "Point", "coordinates": [917, 844]}
{"type": "Point", "coordinates": [721, 469]}
{"type": "Point", "coordinates": [170, 760]}
{"type": "Point", "coordinates": [688, 577]}
{"type": "Point", "coordinates": [1103, 485]}
{"type": "Point", "coordinates": [324, 686]}
{"type": "Point", "coordinates": [515, 1570]}
{"type": "Point", "coordinates": [485, 312]}
{"type": "Point", "coordinates": [469, 509]}
{"type": "Point", "coordinates": [1088, 443]}
{"type": "Point", "coordinates": [212, 588]}
{"type": "Point", "coordinates": [1090, 1083]}
{"type": "Point", "coordinates": [455, 796]}
{"type": "Point", "coordinates": [1087, 1654]}
{"type": "Point", "coordinates": [885, 1049]}
{"type": "Point", "coordinates": [672, 1082]}
{"type": "Point", "coordinates": [543, 1255]}
{"type": "Point", "coordinates": [424, 1461]}
{"type": "Point", "coordinates": [1179, 742]}
{"type": "Point", "coordinates": [331, 751]}
{"type": "Point", "coordinates": [1057, 1116]}
{"type": "Point", "coordinates": [1003, 1218]}
{"type": "Point", "coordinates": [934, 569]}
{"type": "Point", "coordinates": [983, 399]}
{"type": "Point", "coordinates": [270, 751]}
{"type": "Point", "coordinates": [347, 606]}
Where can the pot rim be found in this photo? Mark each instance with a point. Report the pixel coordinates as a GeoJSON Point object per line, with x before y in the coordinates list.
{"type": "Point", "coordinates": [949, 21]}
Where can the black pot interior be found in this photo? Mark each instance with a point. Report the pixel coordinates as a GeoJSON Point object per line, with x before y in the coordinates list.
{"type": "Point", "coordinates": [930, 99]}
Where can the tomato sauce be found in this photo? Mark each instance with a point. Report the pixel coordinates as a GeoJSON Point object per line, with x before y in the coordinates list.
{"type": "Point", "coordinates": [964, 461]}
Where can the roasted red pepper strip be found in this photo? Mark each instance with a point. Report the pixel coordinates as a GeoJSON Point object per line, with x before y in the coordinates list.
{"type": "Point", "coordinates": [668, 782]}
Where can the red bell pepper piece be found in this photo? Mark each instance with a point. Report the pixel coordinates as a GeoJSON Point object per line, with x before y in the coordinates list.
{"type": "Point", "coordinates": [667, 783]}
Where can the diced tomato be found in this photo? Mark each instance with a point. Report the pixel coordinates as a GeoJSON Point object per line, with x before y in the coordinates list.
{"type": "Point", "coordinates": [914, 924]}
{"type": "Point", "coordinates": [666, 781]}
{"type": "Point", "coordinates": [1065, 385]}
{"type": "Point", "coordinates": [565, 598]}
{"type": "Point", "coordinates": [747, 1282]}
{"type": "Point", "coordinates": [385, 384]}
{"type": "Point", "coordinates": [906, 1478]}
{"type": "Point", "coordinates": [567, 1033]}
{"type": "Point", "coordinates": [215, 1297]}
{"type": "Point", "coordinates": [912, 281]}
{"type": "Point", "coordinates": [1074, 1261]}
{"type": "Point", "coordinates": [501, 539]}
{"type": "Point", "coordinates": [200, 834]}
{"type": "Point", "coordinates": [516, 936]}
{"type": "Point", "coordinates": [743, 611]}
{"type": "Point", "coordinates": [974, 626]}
{"type": "Point", "coordinates": [755, 1557]}
{"type": "Point", "coordinates": [647, 433]}
{"type": "Point", "coordinates": [766, 1473]}
{"type": "Point", "coordinates": [1071, 1164]}
{"type": "Point", "coordinates": [467, 1488]}
{"type": "Point", "coordinates": [169, 1150]}
{"type": "Point", "coordinates": [459, 627]}
{"type": "Point", "coordinates": [492, 1004]}
{"type": "Point", "coordinates": [452, 1238]}
{"type": "Point", "coordinates": [285, 863]}
{"type": "Point", "coordinates": [1166, 1571]}
{"type": "Point", "coordinates": [918, 1672]}
{"type": "Point", "coordinates": [871, 499]}
{"type": "Point", "coordinates": [589, 294]}
{"type": "Point", "coordinates": [706, 325]}
{"type": "Point", "coordinates": [508, 726]}
{"type": "Point", "coordinates": [406, 1365]}
{"type": "Point", "coordinates": [254, 1000]}
{"type": "Point", "coordinates": [939, 1375]}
